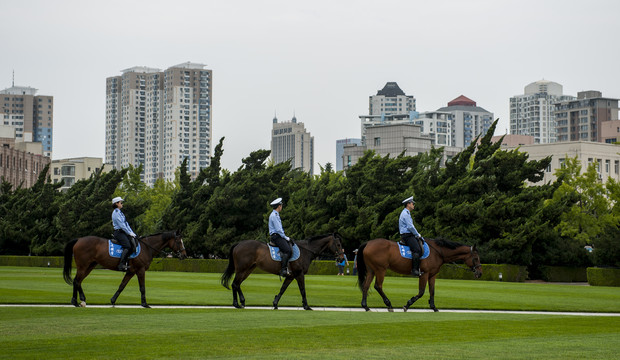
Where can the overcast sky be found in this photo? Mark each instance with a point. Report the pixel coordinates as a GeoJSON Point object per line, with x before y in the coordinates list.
{"type": "Point", "coordinates": [319, 60]}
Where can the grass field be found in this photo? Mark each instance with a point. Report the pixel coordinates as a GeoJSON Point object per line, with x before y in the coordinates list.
{"type": "Point", "coordinates": [67, 332]}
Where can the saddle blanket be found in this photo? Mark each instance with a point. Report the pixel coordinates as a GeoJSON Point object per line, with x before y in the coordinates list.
{"type": "Point", "coordinates": [275, 253]}
{"type": "Point", "coordinates": [406, 252]}
{"type": "Point", "coordinates": [115, 250]}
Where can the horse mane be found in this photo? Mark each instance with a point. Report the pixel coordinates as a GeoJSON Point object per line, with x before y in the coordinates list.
{"type": "Point", "coordinates": [165, 235]}
{"type": "Point", "coordinates": [316, 237]}
{"type": "Point", "coordinates": [447, 243]}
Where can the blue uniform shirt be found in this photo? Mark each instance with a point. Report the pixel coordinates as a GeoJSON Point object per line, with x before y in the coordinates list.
{"type": "Point", "coordinates": [119, 222]}
{"type": "Point", "coordinates": [275, 225]}
{"type": "Point", "coordinates": [405, 223]}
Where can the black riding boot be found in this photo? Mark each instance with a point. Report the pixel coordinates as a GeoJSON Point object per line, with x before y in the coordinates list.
{"type": "Point", "coordinates": [415, 271]}
{"type": "Point", "coordinates": [122, 265]}
{"type": "Point", "coordinates": [284, 270]}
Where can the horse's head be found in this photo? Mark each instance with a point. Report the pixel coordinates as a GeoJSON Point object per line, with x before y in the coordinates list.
{"type": "Point", "coordinates": [473, 261]}
{"type": "Point", "coordinates": [176, 244]}
{"type": "Point", "coordinates": [335, 246]}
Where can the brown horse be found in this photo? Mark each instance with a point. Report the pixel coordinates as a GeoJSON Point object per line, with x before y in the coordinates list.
{"type": "Point", "coordinates": [248, 254]}
{"type": "Point", "coordinates": [378, 255]}
{"type": "Point", "coordinates": [92, 250]}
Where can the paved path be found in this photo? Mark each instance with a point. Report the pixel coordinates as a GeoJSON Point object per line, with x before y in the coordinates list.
{"type": "Point", "coordinates": [318, 308]}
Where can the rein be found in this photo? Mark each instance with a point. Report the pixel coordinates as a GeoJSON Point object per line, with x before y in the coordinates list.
{"type": "Point", "coordinates": [315, 254]}
{"type": "Point", "coordinates": [454, 264]}
{"type": "Point", "coordinates": [141, 239]}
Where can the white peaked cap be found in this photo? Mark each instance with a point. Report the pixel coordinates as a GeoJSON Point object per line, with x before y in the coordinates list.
{"type": "Point", "coordinates": [409, 199]}
{"type": "Point", "coordinates": [117, 199]}
{"type": "Point", "coordinates": [276, 202]}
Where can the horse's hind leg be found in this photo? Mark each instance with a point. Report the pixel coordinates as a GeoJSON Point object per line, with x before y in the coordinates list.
{"type": "Point", "coordinates": [369, 276]}
{"type": "Point", "coordinates": [431, 292]}
{"type": "Point", "coordinates": [285, 284]}
{"type": "Point", "coordinates": [422, 286]}
{"type": "Point", "coordinates": [379, 288]}
{"type": "Point", "coordinates": [126, 278]}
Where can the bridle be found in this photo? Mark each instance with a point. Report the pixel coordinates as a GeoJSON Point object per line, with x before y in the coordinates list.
{"type": "Point", "coordinates": [472, 257]}
{"type": "Point", "coordinates": [177, 240]}
{"type": "Point", "coordinates": [339, 252]}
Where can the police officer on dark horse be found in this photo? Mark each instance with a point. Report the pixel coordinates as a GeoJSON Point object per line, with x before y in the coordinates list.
{"type": "Point", "coordinates": [122, 231]}
{"type": "Point", "coordinates": [276, 233]}
{"type": "Point", "coordinates": [410, 235]}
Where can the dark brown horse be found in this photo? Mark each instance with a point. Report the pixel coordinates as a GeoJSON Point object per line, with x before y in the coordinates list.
{"type": "Point", "coordinates": [378, 255]}
{"type": "Point", "coordinates": [248, 254]}
{"type": "Point", "coordinates": [92, 250]}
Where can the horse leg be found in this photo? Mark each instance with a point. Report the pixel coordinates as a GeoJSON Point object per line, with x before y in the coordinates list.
{"type": "Point", "coordinates": [369, 276]}
{"type": "Point", "coordinates": [431, 292]}
{"type": "Point", "coordinates": [141, 274]}
{"type": "Point", "coordinates": [236, 289]}
{"type": "Point", "coordinates": [80, 275]}
{"type": "Point", "coordinates": [302, 290]}
{"type": "Point", "coordinates": [121, 287]}
{"type": "Point", "coordinates": [379, 288]}
{"type": "Point", "coordinates": [287, 282]}
{"type": "Point", "coordinates": [422, 286]}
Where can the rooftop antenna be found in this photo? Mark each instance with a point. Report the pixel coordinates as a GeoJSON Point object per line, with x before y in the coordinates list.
{"type": "Point", "coordinates": [13, 78]}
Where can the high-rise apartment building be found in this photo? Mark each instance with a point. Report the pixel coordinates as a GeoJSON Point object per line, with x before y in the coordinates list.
{"type": "Point", "coordinates": [291, 141]}
{"type": "Point", "coordinates": [468, 120]}
{"type": "Point", "coordinates": [533, 112]}
{"type": "Point", "coordinates": [582, 119]}
{"type": "Point", "coordinates": [31, 115]}
{"type": "Point", "coordinates": [158, 119]}
{"type": "Point", "coordinates": [340, 144]}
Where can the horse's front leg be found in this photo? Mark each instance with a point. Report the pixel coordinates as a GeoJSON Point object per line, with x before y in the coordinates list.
{"type": "Point", "coordinates": [287, 282]}
{"type": "Point", "coordinates": [121, 287]}
{"type": "Point", "coordinates": [421, 287]}
{"type": "Point", "coordinates": [431, 292]}
{"type": "Point", "coordinates": [143, 303]}
{"type": "Point", "coordinates": [301, 282]}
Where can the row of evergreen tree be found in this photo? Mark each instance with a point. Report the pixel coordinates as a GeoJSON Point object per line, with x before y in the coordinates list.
{"type": "Point", "coordinates": [479, 197]}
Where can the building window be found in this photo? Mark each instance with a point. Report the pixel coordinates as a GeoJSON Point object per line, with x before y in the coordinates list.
{"type": "Point", "coordinates": [607, 165]}
{"type": "Point", "coordinates": [377, 141]}
{"type": "Point", "coordinates": [616, 166]}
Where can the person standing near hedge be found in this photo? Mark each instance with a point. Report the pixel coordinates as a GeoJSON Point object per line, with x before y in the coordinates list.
{"type": "Point", "coordinates": [341, 263]}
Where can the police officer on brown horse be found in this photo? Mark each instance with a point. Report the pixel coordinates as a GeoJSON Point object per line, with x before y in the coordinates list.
{"type": "Point", "coordinates": [276, 232]}
{"type": "Point", "coordinates": [410, 235]}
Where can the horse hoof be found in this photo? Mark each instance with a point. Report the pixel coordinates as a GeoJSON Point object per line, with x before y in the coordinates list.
{"type": "Point", "coordinates": [307, 308]}
{"type": "Point", "coordinates": [237, 306]}
{"type": "Point", "coordinates": [83, 304]}
{"type": "Point", "coordinates": [405, 309]}
{"type": "Point", "coordinates": [390, 310]}
{"type": "Point", "coordinates": [146, 306]}
{"type": "Point", "coordinates": [74, 303]}
{"type": "Point", "coordinates": [435, 310]}
{"type": "Point", "coordinates": [367, 309]}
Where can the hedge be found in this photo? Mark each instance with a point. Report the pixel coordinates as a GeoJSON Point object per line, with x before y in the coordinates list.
{"type": "Point", "coordinates": [563, 274]}
{"type": "Point", "coordinates": [490, 272]}
{"type": "Point", "coordinates": [603, 276]}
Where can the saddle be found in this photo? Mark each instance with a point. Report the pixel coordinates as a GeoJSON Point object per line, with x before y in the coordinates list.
{"type": "Point", "coordinates": [405, 251]}
{"type": "Point", "coordinates": [275, 252]}
{"type": "Point", "coordinates": [115, 249]}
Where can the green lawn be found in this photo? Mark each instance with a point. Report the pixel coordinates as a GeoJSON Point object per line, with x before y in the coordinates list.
{"type": "Point", "coordinates": [136, 333]}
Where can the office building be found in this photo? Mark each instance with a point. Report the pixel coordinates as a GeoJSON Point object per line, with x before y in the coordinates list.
{"type": "Point", "coordinates": [159, 118]}
{"type": "Point", "coordinates": [582, 119]}
{"type": "Point", "coordinates": [533, 112]}
{"type": "Point", "coordinates": [75, 169]}
{"type": "Point", "coordinates": [468, 120]}
{"type": "Point", "coordinates": [291, 141]}
{"type": "Point", "coordinates": [31, 115]}
{"type": "Point", "coordinates": [390, 100]}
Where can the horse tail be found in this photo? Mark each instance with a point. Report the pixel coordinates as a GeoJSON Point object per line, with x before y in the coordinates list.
{"type": "Point", "coordinates": [66, 273]}
{"type": "Point", "coordinates": [230, 270]}
{"type": "Point", "coordinates": [361, 266]}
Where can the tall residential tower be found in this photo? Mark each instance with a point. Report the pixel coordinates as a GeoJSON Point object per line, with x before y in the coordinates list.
{"type": "Point", "coordinates": [158, 119]}
{"type": "Point", "coordinates": [291, 141]}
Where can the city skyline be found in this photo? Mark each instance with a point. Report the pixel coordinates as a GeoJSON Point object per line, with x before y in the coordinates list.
{"type": "Point", "coordinates": [319, 62]}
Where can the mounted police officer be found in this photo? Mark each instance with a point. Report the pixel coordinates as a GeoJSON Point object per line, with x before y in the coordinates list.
{"type": "Point", "coordinates": [410, 235]}
{"type": "Point", "coordinates": [121, 232]}
{"type": "Point", "coordinates": [276, 232]}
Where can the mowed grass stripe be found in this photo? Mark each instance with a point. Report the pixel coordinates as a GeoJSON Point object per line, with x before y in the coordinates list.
{"type": "Point", "coordinates": [193, 333]}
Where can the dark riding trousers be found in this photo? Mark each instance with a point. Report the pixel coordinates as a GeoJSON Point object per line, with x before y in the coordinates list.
{"type": "Point", "coordinates": [413, 243]}
{"type": "Point", "coordinates": [123, 239]}
{"type": "Point", "coordinates": [281, 242]}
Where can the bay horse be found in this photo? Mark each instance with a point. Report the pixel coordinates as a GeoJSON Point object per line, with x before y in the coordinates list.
{"type": "Point", "coordinates": [376, 256]}
{"type": "Point", "coordinates": [92, 250]}
{"type": "Point", "coordinates": [246, 255]}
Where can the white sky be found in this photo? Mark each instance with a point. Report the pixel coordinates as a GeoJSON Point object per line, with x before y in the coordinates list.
{"type": "Point", "coordinates": [318, 59]}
